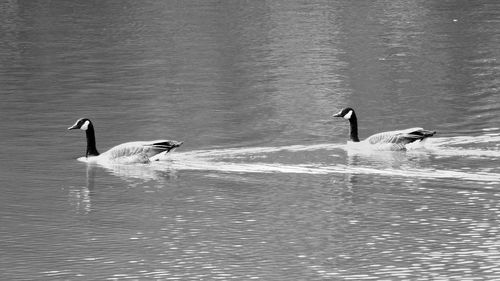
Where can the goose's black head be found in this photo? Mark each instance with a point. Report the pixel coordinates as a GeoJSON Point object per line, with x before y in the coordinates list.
{"type": "Point", "coordinates": [346, 113]}
{"type": "Point", "coordinates": [82, 124]}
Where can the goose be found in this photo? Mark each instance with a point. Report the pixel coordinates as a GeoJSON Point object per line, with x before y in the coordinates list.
{"type": "Point", "coordinates": [391, 140]}
{"type": "Point", "coordinates": [129, 152]}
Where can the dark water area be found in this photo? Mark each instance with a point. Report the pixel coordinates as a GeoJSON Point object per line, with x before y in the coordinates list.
{"type": "Point", "coordinates": [264, 186]}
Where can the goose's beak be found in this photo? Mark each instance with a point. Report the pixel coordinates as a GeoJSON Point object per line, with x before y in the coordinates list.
{"type": "Point", "coordinates": [337, 115]}
{"type": "Point", "coordinates": [72, 127]}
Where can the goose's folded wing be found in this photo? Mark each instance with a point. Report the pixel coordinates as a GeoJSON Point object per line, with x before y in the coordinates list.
{"type": "Point", "coordinates": [140, 150]}
{"type": "Point", "coordinates": [400, 137]}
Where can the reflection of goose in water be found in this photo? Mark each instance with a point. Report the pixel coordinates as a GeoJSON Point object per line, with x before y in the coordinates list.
{"type": "Point", "coordinates": [384, 159]}
{"type": "Point", "coordinates": [145, 176]}
{"type": "Point", "coordinates": [130, 152]}
{"type": "Point", "coordinates": [152, 172]}
{"type": "Point", "coordinates": [79, 196]}
{"type": "Point", "coordinates": [392, 140]}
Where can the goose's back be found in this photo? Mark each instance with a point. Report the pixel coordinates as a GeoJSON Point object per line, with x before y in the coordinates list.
{"type": "Point", "coordinates": [138, 151]}
{"type": "Point", "coordinates": [398, 139]}
{"type": "Point", "coordinates": [397, 136]}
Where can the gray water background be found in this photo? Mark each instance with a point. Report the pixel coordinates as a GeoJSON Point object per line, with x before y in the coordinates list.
{"type": "Point", "coordinates": [264, 186]}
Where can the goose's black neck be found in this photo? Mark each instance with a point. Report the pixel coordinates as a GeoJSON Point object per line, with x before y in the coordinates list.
{"type": "Point", "coordinates": [353, 121]}
{"type": "Point", "coordinates": [91, 147]}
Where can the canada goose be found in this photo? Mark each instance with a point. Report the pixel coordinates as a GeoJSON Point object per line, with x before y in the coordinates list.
{"type": "Point", "coordinates": [392, 140]}
{"type": "Point", "coordinates": [129, 152]}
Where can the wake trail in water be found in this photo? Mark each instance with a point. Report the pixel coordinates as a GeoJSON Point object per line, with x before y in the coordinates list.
{"type": "Point", "coordinates": [249, 151]}
{"type": "Point", "coordinates": [437, 146]}
{"type": "Point", "coordinates": [460, 140]}
{"type": "Point", "coordinates": [334, 169]}
{"type": "Point", "coordinates": [482, 146]}
{"type": "Point", "coordinates": [241, 160]}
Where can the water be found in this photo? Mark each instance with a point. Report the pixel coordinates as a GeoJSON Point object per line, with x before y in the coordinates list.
{"type": "Point", "coordinates": [264, 186]}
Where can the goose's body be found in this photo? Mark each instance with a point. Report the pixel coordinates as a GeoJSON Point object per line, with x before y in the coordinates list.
{"type": "Point", "coordinates": [391, 140]}
{"type": "Point", "coordinates": [135, 152]}
{"type": "Point", "coordinates": [125, 153]}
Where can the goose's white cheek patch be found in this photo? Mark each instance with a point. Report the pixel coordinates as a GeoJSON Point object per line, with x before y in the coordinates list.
{"type": "Point", "coordinates": [348, 115]}
{"type": "Point", "coordinates": [85, 126]}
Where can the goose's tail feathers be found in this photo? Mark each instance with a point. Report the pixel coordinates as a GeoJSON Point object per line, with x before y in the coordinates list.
{"type": "Point", "coordinates": [165, 145]}
{"type": "Point", "coordinates": [419, 134]}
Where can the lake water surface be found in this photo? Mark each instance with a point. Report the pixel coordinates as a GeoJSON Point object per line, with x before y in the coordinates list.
{"type": "Point", "coordinates": [264, 186]}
